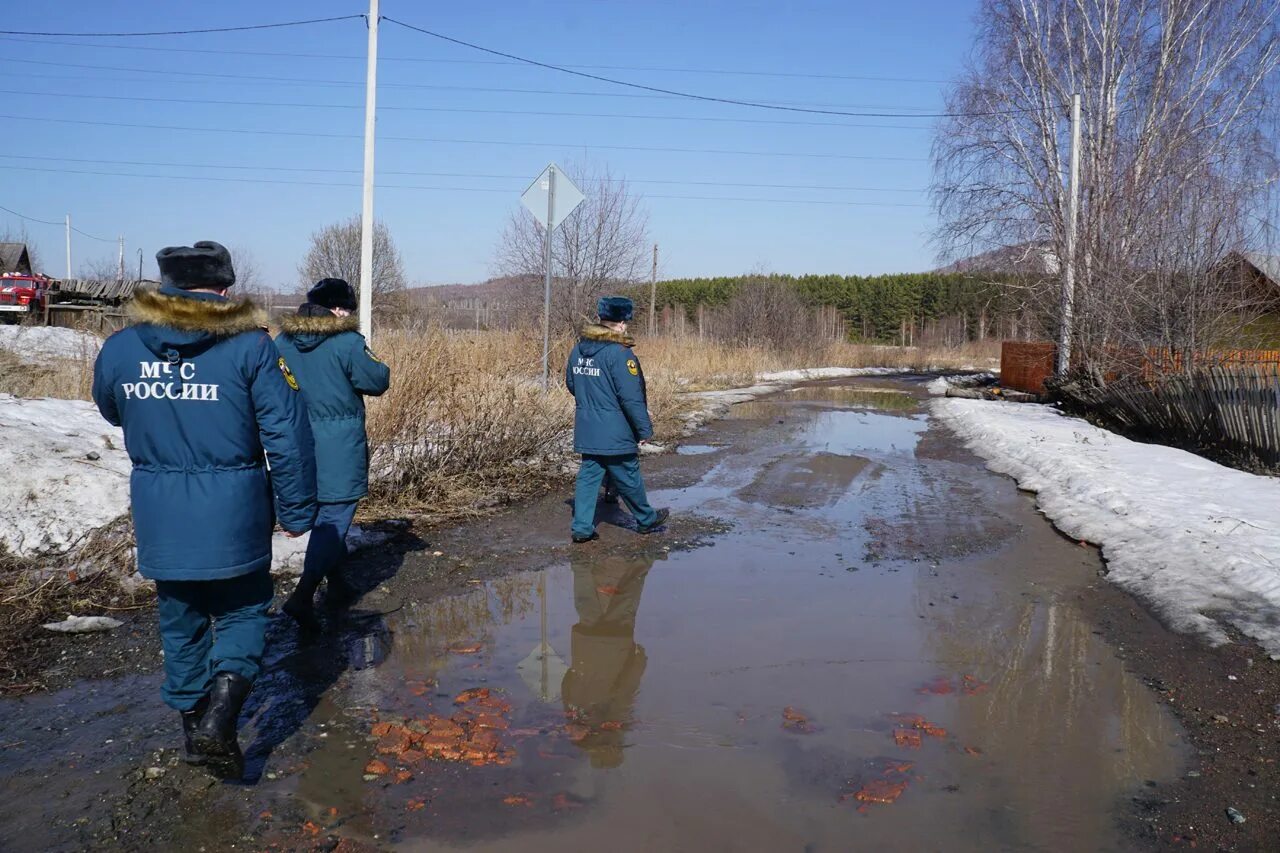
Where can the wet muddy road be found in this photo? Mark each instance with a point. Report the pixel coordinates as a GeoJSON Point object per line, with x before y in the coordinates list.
{"type": "Point", "coordinates": [853, 637]}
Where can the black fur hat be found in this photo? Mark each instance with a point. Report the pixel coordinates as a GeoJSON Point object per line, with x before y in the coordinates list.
{"type": "Point", "coordinates": [333, 293]}
{"type": "Point", "coordinates": [206, 264]}
{"type": "Point", "coordinates": [615, 309]}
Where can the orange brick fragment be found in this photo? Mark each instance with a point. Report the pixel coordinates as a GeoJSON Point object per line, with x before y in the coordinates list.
{"type": "Point", "coordinates": [472, 694]}
{"type": "Point", "coordinates": [940, 686]}
{"type": "Point", "coordinates": [972, 750]}
{"type": "Point", "coordinates": [416, 804]}
{"type": "Point", "coordinates": [310, 828]}
{"type": "Point", "coordinates": [880, 791]}
{"type": "Point", "coordinates": [403, 776]}
{"type": "Point", "coordinates": [465, 648]}
{"type": "Point", "coordinates": [380, 729]}
{"type": "Point", "coordinates": [491, 721]}
{"type": "Point", "coordinates": [377, 768]}
{"type": "Point", "coordinates": [518, 800]}
{"type": "Point", "coordinates": [906, 737]}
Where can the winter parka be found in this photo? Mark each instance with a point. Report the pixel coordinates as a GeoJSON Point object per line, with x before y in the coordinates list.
{"type": "Point", "coordinates": [207, 404]}
{"type": "Point", "coordinates": [335, 370]}
{"type": "Point", "coordinates": [605, 378]}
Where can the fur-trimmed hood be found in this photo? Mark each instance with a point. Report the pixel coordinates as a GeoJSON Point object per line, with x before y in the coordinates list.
{"type": "Point", "coordinates": [175, 324]}
{"type": "Point", "coordinates": [309, 331]}
{"type": "Point", "coordinates": [597, 332]}
{"type": "Point", "coordinates": [295, 325]}
{"type": "Point", "coordinates": [220, 318]}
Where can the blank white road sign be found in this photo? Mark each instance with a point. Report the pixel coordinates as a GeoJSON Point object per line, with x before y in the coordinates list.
{"type": "Point", "coordinates": [568, 196]}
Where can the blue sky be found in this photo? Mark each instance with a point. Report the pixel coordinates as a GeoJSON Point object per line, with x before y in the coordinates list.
{"type": "Point", "coordinates": [51, 168]}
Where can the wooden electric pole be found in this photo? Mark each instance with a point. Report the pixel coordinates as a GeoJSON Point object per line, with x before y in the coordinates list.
{"type": "Point", "coordinates": [653, 287]}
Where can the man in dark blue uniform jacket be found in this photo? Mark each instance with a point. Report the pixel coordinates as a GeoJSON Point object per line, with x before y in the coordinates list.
{"type": "Point", "coordinates": [214, 425]}
{"type": "Point", "coordinates": [611, 419]}
{"type": "Point", "coordinates": [336, 369]}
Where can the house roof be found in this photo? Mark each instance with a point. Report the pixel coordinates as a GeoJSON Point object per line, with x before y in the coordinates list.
{"type": "Point", "coordinates": [1268, 265]}
{"type": "Point", "coordinates": [14, 258]}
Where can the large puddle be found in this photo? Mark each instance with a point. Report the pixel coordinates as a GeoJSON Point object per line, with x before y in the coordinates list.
{"type": "Point", "coordinates": [883, 653]}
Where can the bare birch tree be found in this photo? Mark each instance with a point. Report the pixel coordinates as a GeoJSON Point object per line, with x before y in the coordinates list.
{"type": "Point", "coordinates": [1175, 157]}
{"type": "Point", "coordinates": [335, 253]}
{"type": "Point", "coordinates": [602, 246]}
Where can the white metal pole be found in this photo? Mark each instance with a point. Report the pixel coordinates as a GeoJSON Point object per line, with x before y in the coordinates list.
{"type": "Point", "coordinates": [546, 296]}
{"type": "Point", "coordinates": [366, 211]}
{"type": "Point", "coordinates": [122, 257]}
{"type": "Point", "coordinates": [68, 246]}
{"type": "Point", "coordinates": [1069, 262]}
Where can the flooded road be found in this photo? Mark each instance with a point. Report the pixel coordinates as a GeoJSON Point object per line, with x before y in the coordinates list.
{"type": "Point", "coordinates": [873, 643]}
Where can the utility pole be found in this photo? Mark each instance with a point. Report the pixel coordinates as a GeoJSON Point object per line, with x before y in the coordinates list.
{"type": "Point", "coordinates": [121, 275]}
{"type": "Point", "coordinates": [1067, 308]}
{"type": "Point", "coordinates": [68, 246]}
{"type": "Point", "coordinates": [139, 265]}
{"type": "Point", "coordinates": [366, 211]}
{"type": "Point", "coordinates": [653, 287]}
{"type": "Point", "coordinates": [546, 259]}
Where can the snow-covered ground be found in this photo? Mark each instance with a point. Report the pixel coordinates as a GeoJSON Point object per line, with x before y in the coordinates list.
{"type": "Point", "coordinates": [1199, 542]}
{"type": "Point", "coordinates": [66, 474]}
{"type": "Point", "coordinates": [938, 387]}
{"type": "Point", "coordinates": [42, 343]}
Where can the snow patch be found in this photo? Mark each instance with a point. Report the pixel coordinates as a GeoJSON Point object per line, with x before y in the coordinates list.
{"type": "Point", "coordinates": [42, 343]}
{"type": "Point", "coordinates": [938, 387]}
{"type": "Point", "coordinates": [65, 474]}
{"type": "Point", "coordinates": [811, 373]}
{"type": "Point", "coordinates": [287, 554]}
{"type": "Point", "coordinates": [1196, 540]}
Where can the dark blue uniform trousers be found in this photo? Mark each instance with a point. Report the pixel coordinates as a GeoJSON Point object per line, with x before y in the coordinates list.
{"type": "Point", "coordinates": [327, 547]}
{"type": "Point", "coordinates": [208, 627]}
{"type": "Point", "coordinates": [625, 471]}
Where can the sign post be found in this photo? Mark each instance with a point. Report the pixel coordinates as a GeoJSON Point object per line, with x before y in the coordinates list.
{"type": "Point", "coordinates": [550, 198]}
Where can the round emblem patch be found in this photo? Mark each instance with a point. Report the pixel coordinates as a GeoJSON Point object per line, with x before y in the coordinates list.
{"type": "Point", "coordinates": [288, 374]}
{"type": "Point", "coordinates": [632, 367]}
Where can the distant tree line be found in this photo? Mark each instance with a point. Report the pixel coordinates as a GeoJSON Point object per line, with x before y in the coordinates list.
{"type": "Point", "coordinates": [900, 308]}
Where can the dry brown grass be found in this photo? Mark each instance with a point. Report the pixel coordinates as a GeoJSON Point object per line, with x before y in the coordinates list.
{"type": "Point", "coordinates": [64, 378]}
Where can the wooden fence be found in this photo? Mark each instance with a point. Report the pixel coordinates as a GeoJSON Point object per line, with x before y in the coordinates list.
{"type": "Point", "coordinates": [1230, 412]}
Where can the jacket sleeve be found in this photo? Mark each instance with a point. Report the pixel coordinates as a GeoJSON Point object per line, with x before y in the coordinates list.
{"type": "Point", "coordinates": [368, 375]}
{"type": "Point", "coordinates": [568, 370]}
{"type": "Point", "coordinates": [631, 392]}
{"type": "Point", "coordinates": [285, 433]}
{"type": "Point", "coordinates": [103, 394]}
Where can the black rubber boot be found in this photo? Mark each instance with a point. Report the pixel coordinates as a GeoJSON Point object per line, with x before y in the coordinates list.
{"type": "Point", "coordinates": [300, 606]}
{"type": "Point", "coordinates": [663, 515]}
{"type": "Point", "coordinates": [579, 540]}
{"type": "Point", "coordinates": [190, 720]}
{"type": "Point", "coordinates": [339, 592]}
{"type": "Point", "coordinates": [215, 734]}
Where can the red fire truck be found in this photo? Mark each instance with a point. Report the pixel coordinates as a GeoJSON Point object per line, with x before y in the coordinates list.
{"type": "Point", "coordinates": [23, 296]}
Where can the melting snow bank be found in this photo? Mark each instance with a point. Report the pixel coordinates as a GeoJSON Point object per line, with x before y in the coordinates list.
{"type": "Point", "coordinates": [66, 474]}
{"type": "Point", "coordinates": [1199, 542]}
{"type": "Point", "coordinates": [939, 387]}
{"type": "Point", "coordinates": [42, 343]}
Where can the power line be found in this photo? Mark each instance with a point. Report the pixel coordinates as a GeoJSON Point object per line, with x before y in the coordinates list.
{"type": "Point", "coordinates": [58, 224]}
{"type": "Point", "coordinates": [309, 81]}
{"type": "Point", "coordinates": [433, 60]}
{"type": "Point", "coordinates": [510, 192]}
{"type": "Point", "coordinates": [691, 95]}
{"type": "Point", "coordinates": [187, 32]}
{"type": "Point", "coordinates": [486, 176]}
{"type": "Point", "coordinates": [445, 141]}
{"type": "Point", "coordinates": [461, 110]}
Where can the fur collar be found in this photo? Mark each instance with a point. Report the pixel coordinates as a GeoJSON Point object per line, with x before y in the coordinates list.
{"type": "Point", "coordinates": [222, 319]}
{"type": "Point", "coordinates": [296, 324]}
{"type": "Point", "coordinates": [596, 332]}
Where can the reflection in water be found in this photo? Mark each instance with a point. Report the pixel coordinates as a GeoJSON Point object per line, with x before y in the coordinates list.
{"type": "Point", "coordinates": [607, 663]}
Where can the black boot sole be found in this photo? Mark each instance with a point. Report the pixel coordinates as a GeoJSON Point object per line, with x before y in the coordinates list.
{"type": "Point", "coordinates": [582, 540]}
